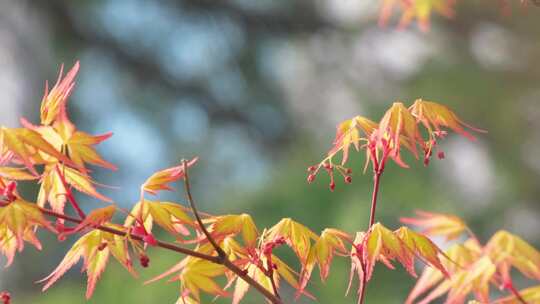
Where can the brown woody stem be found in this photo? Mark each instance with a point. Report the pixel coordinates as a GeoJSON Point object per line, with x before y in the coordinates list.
{"type": "Point", "coordinates": [191, 201]}
{"type": "Point", "coordinates": [222, 256]}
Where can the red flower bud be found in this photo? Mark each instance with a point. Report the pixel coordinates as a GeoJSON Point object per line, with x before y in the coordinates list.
{"type": "Point", "coordinates": [348, 179]}
{"type": "Point", "coordinates": [441, 155]}
{"type": "Point", "coordinates": [310, 178]}
{"type": "Point", "coordinates": [332, 186]}
{"type": "Point", "coordinates": [144, 260]}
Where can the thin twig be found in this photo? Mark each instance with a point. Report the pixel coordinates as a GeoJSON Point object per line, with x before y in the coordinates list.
{"type": "Point", "coordinates": [516, 293]}
{"type": "Point", "coordinates": [191, 201]}
{"type": "Point", "coordinates": [377, 172]}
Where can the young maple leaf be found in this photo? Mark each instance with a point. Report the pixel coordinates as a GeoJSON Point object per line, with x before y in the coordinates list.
{"type": "Point", "coordinates": [196, 275]}
{"type": "Point", "coordinates": [434, 117]}
{"type": "Point", "coordinates": [460, 256]}
{"type": "Point", "coordinates": [422, 247]}
{"type": "Point", "coordinates": [352, 131]}
{"type": "Point", "coordinates": [54, 101]}
{"type": "Point", "coordinates": [296, 235]}
{"type": "Point", "coordinates": [331, 241]}
{"type": "Point", "coordinates": [160, 180]}
{"type": "Point", "coordinates": [529, 295]}
{"type": "Point", "coordinates": [231, 225]}
{"type": "Point", "coordinates": [13, 173]}
{"type": "Point", "coordinates": [53, 190]}
{"type": "Point", "coordinates": [403, 245]}
{"type": "Point", "coordinates": [18, 222]}
{"type": "Point", "coordinates": [94, 248]}
{"type": "Point", "coordinates": [416, 9]}
{"type": "Point", "coordinates": [508, 250]}
{"type": "Point", "coordinates": [397, 127]}
{"type": "Point", "coordinates": [27, 145]}
{"type": "Point", "coordinates": [437, 224]}
{"type": "Point", "coordinates": [96, 218]}
{"type": "Point", "coordinates": [64, 136]}
{"type": "Point", "coordinates": [170, 216]}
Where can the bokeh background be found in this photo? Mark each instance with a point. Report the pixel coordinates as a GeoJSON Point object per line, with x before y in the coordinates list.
{"type": "Point", "coordinates": [256, 88]}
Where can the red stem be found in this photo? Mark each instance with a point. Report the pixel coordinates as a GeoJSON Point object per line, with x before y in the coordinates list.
{"type": "Point", "coordinates": [516, 293]}
{"type": "Point", "coordinates": [376, 183]}
{"type": "Point", "coordinates": [69, 194]}
{"type": "Point", "coordinates": [377, 172]}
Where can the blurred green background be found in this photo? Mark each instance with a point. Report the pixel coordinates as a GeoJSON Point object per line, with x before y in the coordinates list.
{"type": "Point", "coordinates": [256, 88]}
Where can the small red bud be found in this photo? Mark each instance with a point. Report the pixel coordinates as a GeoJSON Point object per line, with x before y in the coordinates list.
{"type": "Point", "coordinates": [327, 166]}
{"type": "Point", "coordinates": [348, 171]}
{"type": "Point", "coordinates": [348, 179]}
{"type": "Point", "coordinates": [311, 178]}
{"type": "Point", "coordinates": [144, 260]}
{"type": "Point", "coordinates": [311, 168]}
{"type": "Point", "coordinates": [332, 186]}
{"type": "Point", "coordinates": [5, 297]}
{"type": "Point", "coordinates": [441, 155]}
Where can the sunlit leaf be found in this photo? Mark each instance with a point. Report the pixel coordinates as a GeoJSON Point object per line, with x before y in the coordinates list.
{"type": "Point", "coordinates": [94, 248]}
{"type": "Point", "coordinates": [161, 179]}
{"type": "Point", "coordinates": [507, 248]}
{"type": "Point", "coordinates": [54, 101]}
{"type": "Point", "coordinates": [297, 236]}
{"type": "Point", "coordinates": [233, 224]}
{"type": "Point", "coordinates": [54, 192]}
{"type": "Point", "coordinates": [437, 224]}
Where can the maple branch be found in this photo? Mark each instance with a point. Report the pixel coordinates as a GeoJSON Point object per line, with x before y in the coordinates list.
{"type": "Point", "coordinates": [173, 247]}
{"type": "Point", "coordinates": [222, 256]}
{"type": "Point", "coordinates": [191, 201]}
{"type": "Point", "coordinates": [69, 194]}
{"type": "Point", "coordinates": [376, 183]}
{"type": "Point", "coordinates": [377, 172]}
{"type": "Point", "coordinates": [516, 293]}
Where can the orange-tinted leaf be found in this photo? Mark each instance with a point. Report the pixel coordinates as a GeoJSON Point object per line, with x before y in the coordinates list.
{"type": "Point", "coordinates": [507, 248]}
{"type": "Point", "coordinates": [53, 191]}
{"type": "Point", "coordinates": [228, 225]}
{"type": "Point", "coordinates": [437, 224]}
{"type": "Point", "coordinates": [435, 116]}
{"type": "Point", "coordinates": [297, 236]}
{"type": "Point", "coordinates": [26, 145]}
{"type": "Point", "coordinates": [94, 248]}
{"type": "Point", "coordinates": [380, 243]}
{"type": "Point", "coordinates": [81, 150]}
{"type": "Point", "coordinates": [16, 174]}
{"type": "Point", "coordinates": [330, 242]}
{"type": "Point", "coordinates": [459, 257]}
{"type": "Point", "coordinates": [398, 127]}
{"type": "Point", "coordinates": [416, 9]}
{"type": "Point", "coordinates": [170, 216]}
{"type": "Point", "coordinates": [17, 218]}
{"type": "Point", "coordinates": [198, 275]}
{"type": "Point", "coordinates": [422, 247]}
{"type": "Point", "coordinates": [351, 131]}
{"type": "Point", "coordinates": [54, 101]}
{"type": "Point", "coordinates": [97, 217]}
{"type": "Point", "coordinates": [9, 242]}
{"type": "Point", "coordinates": [63, 135]}
{"type": "Point", "coordinates": [530, 295]}
{"type": "Point", "coordinates": [160, 180]}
